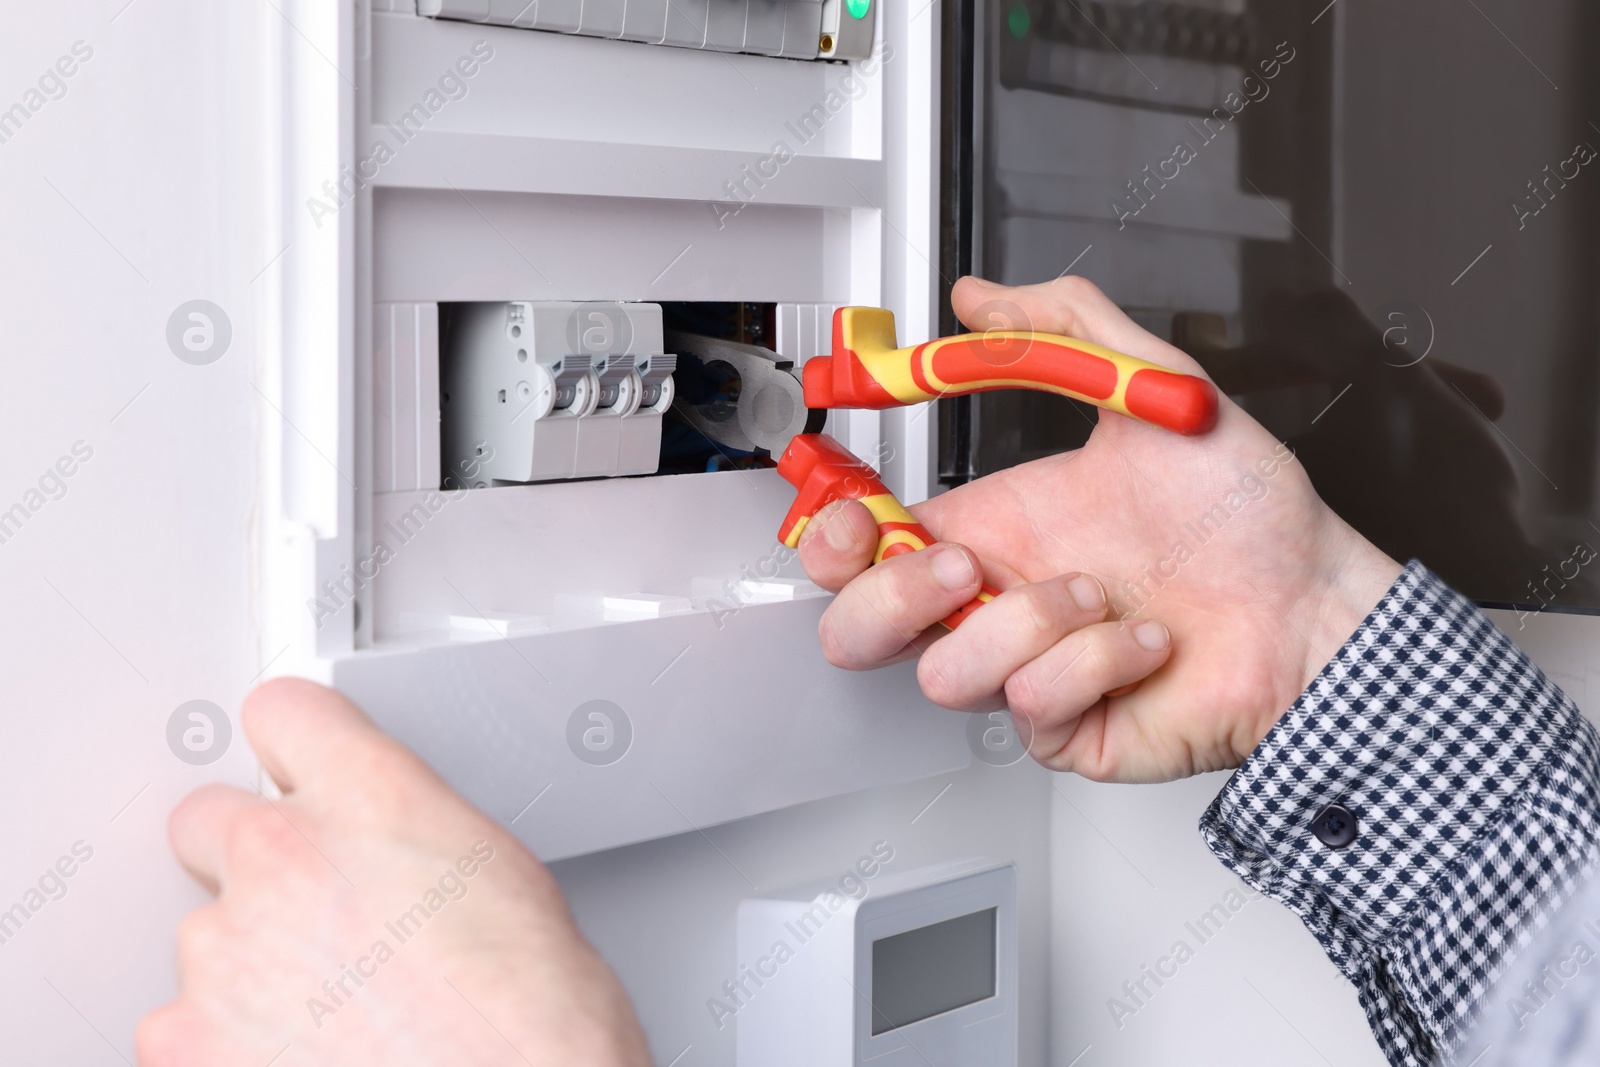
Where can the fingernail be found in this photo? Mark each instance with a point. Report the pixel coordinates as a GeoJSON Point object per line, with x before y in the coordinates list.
{"type": "Point", "coordinates": [1087, 593]}
{"type": "Point", "coordinates": [839, 532]}
{"type": "Point", "coordinates": [1152, 635]}
{"type": "Point", "coordinates": [952, 568]}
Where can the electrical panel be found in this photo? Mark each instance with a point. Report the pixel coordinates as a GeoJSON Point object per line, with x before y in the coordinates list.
{"type": "Point", "coordinates": [507, 544]}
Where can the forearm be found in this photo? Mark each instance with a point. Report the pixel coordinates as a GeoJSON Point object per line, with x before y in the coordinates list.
{"type": "Point", "coordinates": [1475, 788]}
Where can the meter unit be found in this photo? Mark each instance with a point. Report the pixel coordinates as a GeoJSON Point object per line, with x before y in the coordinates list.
{"type": "Point", "coordinates": [917, 968]}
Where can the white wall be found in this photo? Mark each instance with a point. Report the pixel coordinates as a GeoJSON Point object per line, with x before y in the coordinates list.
{"type": "Point", "coordinates": [1129, 876]}
{"type": "Point", "coordinates": [131, 594]}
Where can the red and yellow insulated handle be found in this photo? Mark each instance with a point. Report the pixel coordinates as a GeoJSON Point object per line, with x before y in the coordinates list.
{"type": "Point", "coordinates": [823, 470]}
{"type": "Point", "coordinates": [867, 370]}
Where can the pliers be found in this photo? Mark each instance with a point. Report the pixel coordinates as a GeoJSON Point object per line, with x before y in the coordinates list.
{"type": "Point", "coordinates": [867, 369]}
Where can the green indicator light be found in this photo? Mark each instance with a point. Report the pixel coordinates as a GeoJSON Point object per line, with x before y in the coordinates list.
{"type": "Point", "coordinates": [858, 8]}
{"type": "Point", "coordinates": [1018, 21]}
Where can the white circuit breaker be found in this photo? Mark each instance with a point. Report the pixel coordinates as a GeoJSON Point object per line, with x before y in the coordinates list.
{"type": "Point", "coordinates": [539, 390]}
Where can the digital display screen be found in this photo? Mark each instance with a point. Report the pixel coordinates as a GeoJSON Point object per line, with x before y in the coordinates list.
{"type": "Point", "coordinates": [932, 969]}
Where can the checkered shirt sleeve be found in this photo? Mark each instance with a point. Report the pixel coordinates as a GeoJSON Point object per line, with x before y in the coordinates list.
{"type": "Point", "coordinates": [1475, 784]}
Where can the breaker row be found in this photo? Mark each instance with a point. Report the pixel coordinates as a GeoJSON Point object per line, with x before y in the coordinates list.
{"type": "Point", "coordinates": [550, 390]}
{"type": "Point", "coordinates": [794, 29]}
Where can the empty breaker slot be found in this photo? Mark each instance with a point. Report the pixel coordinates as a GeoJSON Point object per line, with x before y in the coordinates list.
{"type": "Point", "coordinates": [710, 384]}
{"type": "Point", "coordinates": [793, 29]}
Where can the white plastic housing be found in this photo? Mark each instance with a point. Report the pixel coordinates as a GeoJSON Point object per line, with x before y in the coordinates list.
{"type": "Point", "coordinates": [475, 624]}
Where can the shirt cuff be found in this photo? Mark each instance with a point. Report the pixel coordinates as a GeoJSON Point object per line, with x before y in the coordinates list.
{"type": "Point", "coordinates": [1469, 781]}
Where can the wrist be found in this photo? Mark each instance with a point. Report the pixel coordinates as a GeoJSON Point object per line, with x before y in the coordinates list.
{"type": "Point", "coordinates": [1347, 578]}
{"type": "Point", "coordinates": [1352, 577]}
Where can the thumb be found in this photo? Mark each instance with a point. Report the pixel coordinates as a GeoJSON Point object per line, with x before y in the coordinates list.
{"type": "Point", "coordinates": [308, 735]}
{"type": "Point", "coordinates": [1071, 306]}
{"type": "Point", "coordinates": [838, 544]}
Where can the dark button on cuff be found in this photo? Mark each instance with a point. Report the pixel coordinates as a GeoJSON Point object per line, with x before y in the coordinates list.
{"type": "Point", "coordinates": [1335, 826]}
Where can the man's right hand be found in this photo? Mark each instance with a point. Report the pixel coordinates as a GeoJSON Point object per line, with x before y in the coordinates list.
{"type": "Point", "coordinates": [1231, 584]}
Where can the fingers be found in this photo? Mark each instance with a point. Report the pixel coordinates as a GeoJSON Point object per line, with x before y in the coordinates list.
{"type": "Point", "coordinates": [305, 733]}
{"type": "Point", "coordinates": [1070, 305]}
{"type": "Point", "coordinates": [1050, 695]}
{"type": "Point", "coordinates": [882, 611]}
{"type": "Point", "coordinates": [200, 826]}
{"type": "Point", "coordinates": [838, 544]}
{"type": "Point", "coordinates": [967, 669]}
